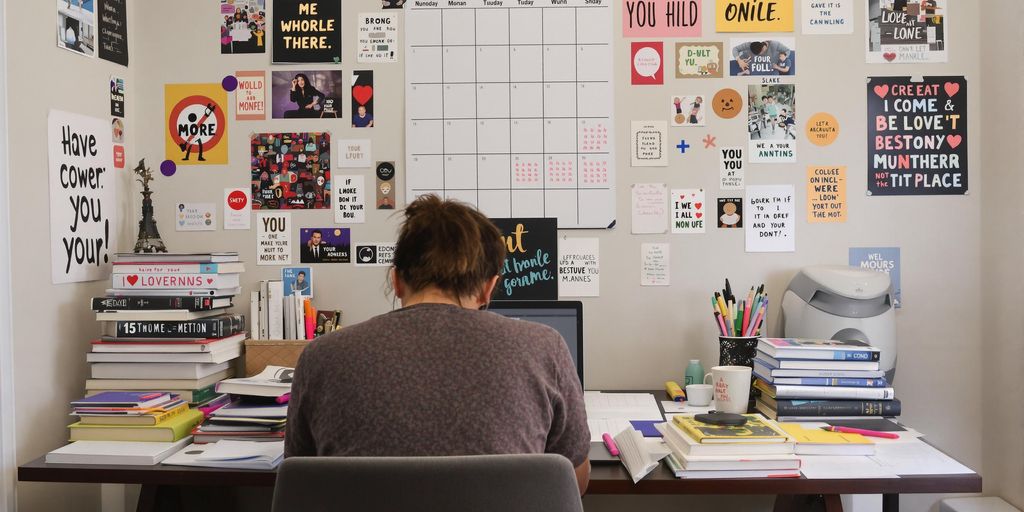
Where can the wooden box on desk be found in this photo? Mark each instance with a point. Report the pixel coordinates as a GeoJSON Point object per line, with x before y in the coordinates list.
{"type": "Point", "coordinates": [262, 353]}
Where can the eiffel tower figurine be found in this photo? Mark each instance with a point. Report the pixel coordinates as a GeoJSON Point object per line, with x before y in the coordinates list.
{"type": "Point", "coordinates": [149, 237]}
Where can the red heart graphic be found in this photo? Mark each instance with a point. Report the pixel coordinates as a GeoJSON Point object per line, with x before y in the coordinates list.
{"type": "Point", "coordinates": [881, 90]}
{"type": "Point", "coordinates": [132, 280]}
{"type": "Point", "coordinates": [698, 205]}
{"type": "Point", "coordinates": [362, 94]}
{"type": "Point", "coordinates": [209, 280]}
{"type": "Point", "coordinates": [954, 141]}
{"type": "Point", "coordinates": [889, 56]}
{"type": "Point", "coordinates": [699, 215]}
{"type": "Point", "coordinates": [952, 88]}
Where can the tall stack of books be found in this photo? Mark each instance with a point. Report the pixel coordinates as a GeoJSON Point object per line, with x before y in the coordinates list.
{"type": "Point", "coordinates": [815, 380]}
{"type": "Point", "coordinates": [257, 411]}
{"type": "Point", "coordinates": [757, 449]}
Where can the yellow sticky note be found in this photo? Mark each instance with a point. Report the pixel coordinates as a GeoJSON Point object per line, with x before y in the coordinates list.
{"type": "Point", "coordinates": [754, 15]}
{"type": "Point", "coordinates": [826, 193]}
{"type": "Point", "coordinates": [196, 129]}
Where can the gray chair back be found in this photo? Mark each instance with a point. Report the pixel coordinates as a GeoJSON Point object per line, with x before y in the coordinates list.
{"type": "Point", "coordinates": [477, 483]}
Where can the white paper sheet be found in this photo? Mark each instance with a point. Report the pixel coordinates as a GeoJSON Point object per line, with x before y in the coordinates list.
{"type": "Point", "coordinates": [649, 208]}
{"type": "Point", "coordinates": [917, 458]}
{"type": "Point", "coordinates": [843, 467]}
{"type": "Point", "coordinates": [610, 412]}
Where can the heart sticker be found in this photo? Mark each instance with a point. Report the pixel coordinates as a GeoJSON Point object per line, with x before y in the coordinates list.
{"type": "Point", "coordinates": [132, 280]}
{"type": "Point", "coordinates": [882, 90]}
{"type": "Point", "coordinates": [889, 56]}
{"type": "Point", "coordinates": [954, 141]}
{"type": "Point", "coordinates": [362, 94]}
{"type": "Point", "coordinates": [699, 215]}
{"type": "Point", "coordinates": [698, 205]}
{"type": "Point", "coordinates": [952, 88]}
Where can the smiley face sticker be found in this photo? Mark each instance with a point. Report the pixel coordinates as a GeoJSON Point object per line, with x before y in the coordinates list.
{"type": "Point", "coordinates": [727, 103]}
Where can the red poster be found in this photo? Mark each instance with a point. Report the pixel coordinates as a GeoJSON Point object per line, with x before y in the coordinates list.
{"type": "Point", "coordinates": [648, 63]}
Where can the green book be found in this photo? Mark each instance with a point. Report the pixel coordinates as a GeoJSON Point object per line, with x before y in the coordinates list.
{"type": "Point", "coordinates": [166, 431]}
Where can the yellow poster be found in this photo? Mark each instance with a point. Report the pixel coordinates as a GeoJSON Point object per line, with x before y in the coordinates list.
{"type": "Point", "coordinates": [754, 15]}
{"type": "Point", "coordinates": [826, 193]}
{"type": "Point", "coordinates": [197, 128]}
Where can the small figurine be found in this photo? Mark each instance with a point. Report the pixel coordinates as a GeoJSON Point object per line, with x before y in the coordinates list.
{"type": "Point", "coordinates": [149, 236]}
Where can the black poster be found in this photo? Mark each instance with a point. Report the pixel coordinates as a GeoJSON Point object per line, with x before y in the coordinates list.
{"type": "Point", "coordinates": [917, 136]}
{"type": "Point", "coordinates": [307, 31]}
{"type": "Point", "coordinates": [531, 265]}
{"type": "Point", "coordinates": [116, 97]}
{"type": "Point", "coordinates": [113, 31]}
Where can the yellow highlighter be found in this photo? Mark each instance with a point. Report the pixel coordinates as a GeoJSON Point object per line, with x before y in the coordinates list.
{"type": "Point", "coordinates": [675, 392]}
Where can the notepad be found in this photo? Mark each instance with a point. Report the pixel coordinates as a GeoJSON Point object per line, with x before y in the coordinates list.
{"type": "Point", "coordinates": [611, 412]}
{"type": "Point", "coordinates": [635, 455]}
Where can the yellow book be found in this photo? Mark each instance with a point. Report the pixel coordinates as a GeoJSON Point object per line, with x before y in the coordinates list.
{"type": "Point", "coordinates": [765, 388]}
{"type": "Point", "coordinates": [815, 441]}
{"type": "Point", "coordinates": [152, 418]}
{"type": "Point", "coordinates": [168, 431]}
{"type": "Point", "coordinates": [758, 429]}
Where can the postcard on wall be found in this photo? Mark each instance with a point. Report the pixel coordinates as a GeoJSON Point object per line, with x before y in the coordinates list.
{"type": "Point", "coordinates": [297, 280]}
{"type": "Point", "coordinates": [771, 216]}
{"type": "Point", "coordinates": [76, 26]}
{"type": "Point", "coordinates": [771, 123]}
{"type": "Point", "coordinates": [689, 110]}
{"type": "Point", "coordinates": [196, 217]}
{"type": "Point", "coordinates": [290, 171]}
{"type": "Point", "coordinates": [661, 18]}
{"type": "Point", "coordinates": [237, 208]}
{"type": "Point", "coordinates": [647, 63]}
{"type": "Point", "coordinates": [654, 265]}
{"type": "Point", "coordinates": [730, 212]}
{"type": "Point", "coordinates": [688, 211]}
{"type": "Point", "coordinates": [307, 31]}
{"type": "Point", "coordinates": [907, 31]}
{"type": "Point", "coordinates": [386, 172]}
{"type": "Point", "coordinates": [354, 153]}
{"type": "Point", "coordinates": [881, 259]}
{"type": "Point", "coordinates": [650, 208]}
{"type": "Point", "coordinates": [117, 97]}
{"type": "Point", "coordinates": [362, 99]}
{"type": "Point", "coordinates": [762, 57]}
{"type": "Point", "coordinates": [374, 254]}
{"type": "Point", "coordinates": [917, 135]}
{"type": "Point", "coordinates": [647, 143]}
{"type": "Point", "coordinates": [243, 26]}
{"type": "Point", "coordinates": [730, 166]}
{"type": "Point", "coordinates": [378, 38]}
{"type": "Point", "coordinates": [826, 193]}
{"type": "Point", "coordinates": [196, 124]}
{"type": "Point", "coordinates": [307, 94]}
{"type": "Point", "coordinates": [251, 96]}
{"type": "Point", "coordinates": [273, 238]}
{"type": "Point", "coordinates": [754, 15]}
{"type": "Point", "coordinates": [827, 16]}
{"type": "Point", "coordinates": [113, 31]}
{"type": "Point", "coordinates": [325, 245]}
{"type": "Point", "coordinates": [350, 199]}
{"type": "Point", "coordinates": [699, 60]}
{"type": "Point", "coordinates": [579, 267]}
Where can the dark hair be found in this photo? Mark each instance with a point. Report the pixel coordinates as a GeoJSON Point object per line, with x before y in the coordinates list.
{"type": "Point", "coordinates": [756, 47]}
{"type": "Point", "coordinates": [301, 273]}
{"type": "Point", "coordinates": [317, 232]}
{"type": "Point", "coordinates": [447, 244]}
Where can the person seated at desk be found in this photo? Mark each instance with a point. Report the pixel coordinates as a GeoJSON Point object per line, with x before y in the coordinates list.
{"type": "Point", "coordinates": [440, 376]}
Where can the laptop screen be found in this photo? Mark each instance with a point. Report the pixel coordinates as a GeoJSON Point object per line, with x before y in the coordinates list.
{"type": "Point", "coordinates": [566, 317]}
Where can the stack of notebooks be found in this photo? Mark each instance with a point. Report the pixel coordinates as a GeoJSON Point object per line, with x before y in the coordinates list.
{"type": "Point", "coordinates": [276, 316]}
{"type": "Point", "coordinates": [258, 410]}
{"type": "Point", "coordinates": [168, 326]}
{"type": "Point", "coordinates": [758, 449]}
{"type": "Point", "coordinates": [818, 380]}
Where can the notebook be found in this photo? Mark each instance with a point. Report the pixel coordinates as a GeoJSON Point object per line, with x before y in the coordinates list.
{"type": "Point", "coordinates": [115, 452]}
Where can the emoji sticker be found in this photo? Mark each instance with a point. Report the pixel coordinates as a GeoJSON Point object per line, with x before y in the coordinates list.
{"type": "Point", "coordinates": [822, 129]}
{"type": "Point", "coordinates": [727, 103]}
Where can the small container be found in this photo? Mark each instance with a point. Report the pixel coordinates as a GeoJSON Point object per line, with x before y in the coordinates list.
{"type": "Point", "coordinates": [737, 350]}
{"type": "Point", "coordinates": [694, 373]}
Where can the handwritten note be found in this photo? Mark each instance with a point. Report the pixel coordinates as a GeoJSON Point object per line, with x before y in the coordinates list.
{"type": "Point", "coordinates": [654, 269]}
{"type": "Point", "coordinates": [650, 208]}
{"type": "Point", "coordinates": [770, 214]}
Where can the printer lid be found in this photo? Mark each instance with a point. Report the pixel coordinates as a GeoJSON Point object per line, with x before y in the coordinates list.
{"type": "Point", "coordinates": [844, 291]}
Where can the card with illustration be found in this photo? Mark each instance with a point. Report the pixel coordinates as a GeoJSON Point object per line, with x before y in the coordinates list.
{"type": "Point", "coordinates": [325, 245]}
{"type": "Point", "coordinates": [727, 103]}
{"type": "Point", "coordinates": [906, 31]}
{"type": "Point", "coordinates": [196, 217]}
{"type": "Point", "coordinates": [362, 99]}
{"type": "Point", "coordinates": [688, 211]}
{"type": "Point", "coordinates": [196, 125]}
{"type": "Point", "coordinates": [647, 63]}
{"type": "Point", "coordinates": [647, 144]}
{"type": "Point", "coordinates": [762, 57]}
{"type": "Point", "coordinates": [699, 60]}
{"type": "Point", "coordinates": [688, 110]}
{"type": "Point", "coordinates": [76, 26]}
{"type": "Point", "coordinates": [771, 123]}
{"type": "Point", "coordinates": [386, 185]}
{"type": "Point", "coordinates": [378, 38]}
{"type": "Point", "coordinates": [297, 280]}
{"type": "Point", "coordinates": [291, 171]}
{"type": "Point", "coordinates": [730, 212]}
{"type": "Point", "coordinates": [243, 26]}
{"type": "Point", "coordinates": [307, 94]}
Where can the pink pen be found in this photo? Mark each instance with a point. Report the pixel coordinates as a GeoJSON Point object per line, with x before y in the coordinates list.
{"type": "Point", "coordinates": [863, 432]}
{"type": "Point", "coordinates": [610, 444]}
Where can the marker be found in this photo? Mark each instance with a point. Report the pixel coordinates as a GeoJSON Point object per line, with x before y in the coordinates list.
{"type": "Point", "coordinates": [675, 392]}
{"type": "Point", "coordinates": [861, 431]}
{"type": "Point", "coordinates": [610, 444]}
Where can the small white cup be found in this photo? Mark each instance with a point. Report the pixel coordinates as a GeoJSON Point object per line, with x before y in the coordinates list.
{"type": "Point", "coordinates": [699, 395]}
{"type": "Point", "coordinates": [732, 388]}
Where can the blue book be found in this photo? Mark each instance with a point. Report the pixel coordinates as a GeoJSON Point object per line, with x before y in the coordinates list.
{"type": "Point", "coordinates": [831, 382]}
{"type": "Point", "coordinates": [812, 349]}
{"type": "Point", "coordinates": [129, 399]}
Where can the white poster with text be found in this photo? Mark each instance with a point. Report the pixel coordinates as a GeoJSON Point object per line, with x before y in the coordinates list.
{"type": "Point", "coordinates": [771, 214]}
{"type": "Point", "coordinates": [579, 267]}
{"type": "Point", "coordinates": [273, 238]}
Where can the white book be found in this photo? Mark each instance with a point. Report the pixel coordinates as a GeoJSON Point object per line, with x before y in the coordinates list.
{"type": "Point", "coordinates": [635, 455]}
{"type": "Point", "coordinates": [272, 381]}
{"type": "Point", "coordinates": [238, 410]}
{"type": "Point", "coordinates": [231, 455]}
{"type": "Point", "coordinates": [254, 313]}
{"type": "Point", "coordinates": [289, 318]}
{"type": "Point", "coordinates": [127, 453]}
{"type": "Point", "coordinates": [275, 325]}
{"type": "Point", "coordinates": [783, 391]}
{"type": "Point", "coordinates": [798, 364]}
{"type": "Point", "coordinates": [179, 268]}
{"type": "Point", "coordinates": [156, 370]}
{"type": "Point", "coordinates": [214, 345]}
{"type": "Point", "coordinates": [300, 316]}
{"type": "Point", "coordinates": [225, 354]}
{"type": "Point", "coordinates": [193, 292]}
{"type": "Point", "coordinates": [161, 384]}
{"type": "Point", "coordinates": [167, 315]}
{"type": "Point", "coordinates": [264, 310]}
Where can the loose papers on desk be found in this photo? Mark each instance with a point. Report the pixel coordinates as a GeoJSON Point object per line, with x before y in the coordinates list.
{"type": "Point", "coordinates": [610, 412]}
{"type": "Point", "coordinates": [230, 455]}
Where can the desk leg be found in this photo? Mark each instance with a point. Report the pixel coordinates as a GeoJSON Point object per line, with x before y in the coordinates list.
{"type": "Point", "coordinates": [784, 503]}
{"type": "Point", "coordinates": [159, 498]}
{"type": "Point", "coordinates": [802, 503]}
{"type": "Point", "coordinates": [890, 503]}
{"type": "Point", "coordinates": [833, 503]}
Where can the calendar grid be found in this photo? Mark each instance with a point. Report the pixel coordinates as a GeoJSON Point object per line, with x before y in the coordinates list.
{"type": "Point", "coordinates": [544, 110]}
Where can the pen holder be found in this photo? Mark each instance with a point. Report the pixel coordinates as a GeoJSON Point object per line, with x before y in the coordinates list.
{"type": "Point", "coordinates": [737, 350]}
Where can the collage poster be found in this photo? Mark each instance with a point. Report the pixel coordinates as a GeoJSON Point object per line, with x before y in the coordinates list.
{"type": "Point", "coordinates": [243, 26]}
{"type": "Point", "coordinates": [906, 31]}
{"type": "Point", "coordinates": [291, 171]}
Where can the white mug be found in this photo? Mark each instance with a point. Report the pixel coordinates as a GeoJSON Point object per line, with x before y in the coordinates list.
{"type": "Point", "coordinates": [699, 394]}
{"type": "Point", "coordinates": [732, 388]}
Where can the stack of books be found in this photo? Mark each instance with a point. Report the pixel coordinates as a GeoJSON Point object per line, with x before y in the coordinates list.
{"type": "Point", "coordinates": [258, 410]}
{"type": "Point", "coordinates": [816, 380]}
{"type": "Point", "coordinates": [168, 327]}
{"type": "Point", "coordinates": [757, 449]}
{"type": "Point", "coordinates": [276, 316]}
{"type": "Point", "coordinates": [132, 416]}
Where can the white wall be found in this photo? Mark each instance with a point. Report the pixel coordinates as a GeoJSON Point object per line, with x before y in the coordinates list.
{"type": "Point", "coordinates": [52, 323]}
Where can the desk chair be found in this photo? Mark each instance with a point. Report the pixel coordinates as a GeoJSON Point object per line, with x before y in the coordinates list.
{"type": "Point", "coordinates": [474, 483]}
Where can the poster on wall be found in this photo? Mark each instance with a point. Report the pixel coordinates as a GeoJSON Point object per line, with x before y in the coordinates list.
{"type": "Point", "coordinates": [647, 63]}
{"type": "Point", "coordinates": [117, 97]}
{"type": "Point", "coordinates": [906, 31]}
{"type": "Point", "coordinates": [579, 267]}
{"type": "Point", "coordinates": [297, 281]}
{"type": "Point", "coordinates": [291, 171]}
{"type": "Point", "coordinates": [699, 60]}
{"type": "Point", "coordinates": [762, 57]}
{"type": "Point", "coordinates": [273, 238]}
{"type": "Point", "coordinates": [826, 193]}
{"type": "Point", "coordinates": [83, 198]}
{"type": "Point", "coordinates": [325, 245]}
{"type": "Point", "coordinates": [243, 26]}
{"type": "Point", "coordinates": [251, 96]}
{"type": "Point", "coordinates": [76, 26]}
{"type": "Point", "coordinates": [196, 217]}
{"type": "Point", "coordinates": [730, 166]}
{"type": "Point", "coordinates": [917, 136]}
{"type": "Point", "coordinates": [378, 38]}
{"type": "Point", "coordinates": [196, 124]}
{"type": "Point", "coordinates": [308, 31]}
{"type": "Point", "coordinates": [771, 216]}
{"type": "Point", "coordinates": [374, 254]}
{"type": "Point", "coordinates": [654, 264]}
{"type": "Point", "coordinates": [661, 18]}
{"type": "Point", "coordinates": [689, 211]}
{"type": "Point", "coordinates": [827, 17]}
{"type": "Point", "coordinates": [649, 208]}
{"type": "Point", "coordinates": [113, 31]}
{"type": "Point", "coordinates": [688, 110]}
{"type": "Point", "coordinates": [531, 264]}
{"type": "Point", "coordinates": [647, 143]}
{"type": "Point", "coordinates": [771, 123]}
{"type": "Point", "coordinates": [350, 199]}
{"type": "Point", "coordinates": [386, 190]}
{"type": "Point", "coordinates": [754, 15]}
{"type": "Point", "coordinates": [362, 99]}
{"type": "Point", "coordinates": [730, 212]}
{"type": "Point", "coordinates": [237, 208]}
{"type": "Point", "coordinates": [307, 94]}
{"type": "Point", "coordinates": [881, 259]}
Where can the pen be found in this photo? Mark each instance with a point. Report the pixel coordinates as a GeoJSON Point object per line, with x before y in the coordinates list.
{"type": "Point", "coordinates": [861, 431]}
{"type": "Point", "coordinates": [610, 444]}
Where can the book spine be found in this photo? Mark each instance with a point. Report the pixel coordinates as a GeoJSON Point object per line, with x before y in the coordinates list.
{"type": "Point", "coordinates": [169, 268]}
{"type": "Point", "coordinates": [824, 381]}
{"type": "Point", "coordinates": [101, 304]}
{"type": "Point", "coordinates": [855, 355]}
{"type": "Point", "coordinates": [838, 408]}
{"type": "Point", "coordinates": [219, 327]}
{"type": "Point", "coordinates": [275, 301]}
{"type": "Point", "coordinates": [174, 281]}
{"type": "Point", "coordinates": [833, 393]}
